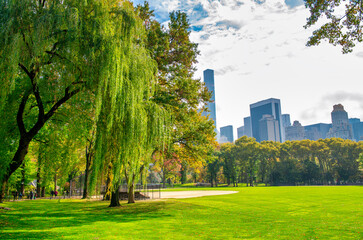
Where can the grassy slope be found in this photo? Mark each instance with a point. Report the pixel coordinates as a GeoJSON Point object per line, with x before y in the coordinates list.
{"type": "Point", "coordinates": [253, 213]}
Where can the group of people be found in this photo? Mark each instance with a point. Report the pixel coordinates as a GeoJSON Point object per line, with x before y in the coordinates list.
{"type": "Point", "coordinates": [53, 193]}
{"type": "Point", "coordinates": [19, 195]}
{"type": "Point", "coordinates": [33, 194]}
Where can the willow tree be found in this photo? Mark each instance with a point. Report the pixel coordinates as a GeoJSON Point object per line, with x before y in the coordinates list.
{"type": "Point", "coordinates": [129, 123]}
{"type": "Point", "coordinates": [50, 52]}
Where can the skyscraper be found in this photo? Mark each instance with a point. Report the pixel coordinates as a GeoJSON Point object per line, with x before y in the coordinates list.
{"type": "Point", "coordinates": [357, 129]}
{"type": "Point", "coordinates": [248, 126]}
{"type": "Point", "coordinates": [240, 131]}
{"type": "Point", "coordinates": [285, 118]}
{"type": "Point", "coordinates": [341, 126]}
{"type": "Point", "coordinates": [226, 134]}
{"type": "Point", "coordinates": [269, 129]}
{"type": "Point", "coordinates": [271, 107]}
{"type": "Point", "coordinates": [209, 83]}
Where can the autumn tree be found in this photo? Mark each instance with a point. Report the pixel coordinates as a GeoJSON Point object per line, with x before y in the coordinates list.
{"type": "Point", "coordinates": [177, 89]}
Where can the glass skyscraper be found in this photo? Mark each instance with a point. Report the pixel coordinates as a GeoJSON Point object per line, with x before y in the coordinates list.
{"type": "Point", "coordinates": [209, 83]}
{"type": "Point", "coordinates": [227, 134]}
{"type": "Point", "coordinates": [271, 107]}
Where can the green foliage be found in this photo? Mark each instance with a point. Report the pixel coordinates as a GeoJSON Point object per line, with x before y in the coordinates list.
{"type": "Point", "coordinates": [342, 28]}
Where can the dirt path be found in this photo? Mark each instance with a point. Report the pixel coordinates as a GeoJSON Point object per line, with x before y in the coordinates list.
{"type": "Point", "coordinates": [191, 194]}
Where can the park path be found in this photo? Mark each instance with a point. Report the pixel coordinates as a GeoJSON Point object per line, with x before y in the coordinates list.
{"type": "Point", "coordinates": [192, 194]}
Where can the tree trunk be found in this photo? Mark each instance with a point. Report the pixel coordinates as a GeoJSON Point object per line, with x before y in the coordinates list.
{"type": "Point", "coordinates": [131, 194]}
{"type": "Point", "coordinates": [22, 185]}
{"type": "Point", "coordinates": [38, 179]}
{"type": "Point", "coordinates": [55, 182]}
{"type": "Point", "coordinates": [87, 172]}
{"type": "Point", "coordinates": [107, 196]}
{"type": "Point", "coordinates": [115, 198]}
{"type": "Point", "coordinates": [15, 164]}
{"type": "Point", "coordinates": [3, 190]}
{"type": "Point", "coordinates": [164, 179]}
{"type": "Point", "coordinates": [43, 192]}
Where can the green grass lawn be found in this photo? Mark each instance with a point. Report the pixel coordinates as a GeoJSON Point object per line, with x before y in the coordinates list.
{"type": "Point", "coordinates": [253, 213]}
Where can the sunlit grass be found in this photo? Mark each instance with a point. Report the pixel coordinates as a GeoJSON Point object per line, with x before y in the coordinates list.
{"type": "Point", "coordinates": [253, 213]}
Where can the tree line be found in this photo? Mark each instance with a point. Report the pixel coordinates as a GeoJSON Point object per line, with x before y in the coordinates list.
{"type": "Point", "coordinates": [305, 162]}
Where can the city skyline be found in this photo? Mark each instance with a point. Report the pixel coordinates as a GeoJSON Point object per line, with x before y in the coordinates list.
{"type": "Point", "coordinates": [258, 47]}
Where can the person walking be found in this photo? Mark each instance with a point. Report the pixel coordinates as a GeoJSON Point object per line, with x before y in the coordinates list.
{"type": "Point", "coordinates": [15, 194]}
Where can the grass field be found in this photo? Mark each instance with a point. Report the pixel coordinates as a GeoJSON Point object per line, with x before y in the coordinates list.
{"type": "Point", "coordinates": [253, 213]}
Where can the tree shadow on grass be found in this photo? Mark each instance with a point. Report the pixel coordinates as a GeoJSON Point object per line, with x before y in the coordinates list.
{"type": "Point", "coordinates": [38, 219]}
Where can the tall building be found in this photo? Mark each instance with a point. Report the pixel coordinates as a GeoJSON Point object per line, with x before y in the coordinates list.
{"type": "Point", "coordinates": [248, 126]}
{"type": "Point", "coordinates": [341, 128]}
{"type": "Point", "coordinates": [295, 132]}
{"type": "Point", "coordinates": [269, 129]}
{"type": "Point", "coordinates": [285, 118]}
{"type": "Point", "coordinates": [317, 131]}
{"type": "Point", "coordinates": [357, 129]}
{"type": "Point", "coordinates": [271, 107]}
{"type": "Point", "coordinates": [226, 134]}
{"type": "Point", "coordinates": [240, 131]}
{"type": "Point", "coordinates": [209, 83]}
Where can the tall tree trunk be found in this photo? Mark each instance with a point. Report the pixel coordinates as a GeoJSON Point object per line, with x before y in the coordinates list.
{"type": "Point", "coordinates": [107, 195]}
{"type": "Point", "coordinates": [130, 193]}
{"type": "Point", "coordinates": [3, 190]}
{"type": "Point", "coordinates": [115, 197]}
{"type": "Point", "coordinates": [164, 180]}
{"type": "Point", "coordinates": [43, 192]}
{"type": "Point", "coordinates": [38, 178]}
{"type": "Point", "coordinates": [22, 179]}
{"type": "Point", "coordinates": [55, 182]}
{"type": "Point", "coordinates": [88, 165]}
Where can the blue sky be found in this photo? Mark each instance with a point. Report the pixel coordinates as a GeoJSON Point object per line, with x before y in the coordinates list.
{"type": "Point", "coordinates": [258, 51]}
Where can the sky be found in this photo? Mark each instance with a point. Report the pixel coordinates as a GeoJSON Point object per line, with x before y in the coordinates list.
{"type": "Point", "coordinates": [257, 49]}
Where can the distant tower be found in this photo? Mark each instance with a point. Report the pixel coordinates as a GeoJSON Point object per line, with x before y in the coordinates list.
{"type": "Point", "coordinates": [248, 126]}
{"type": "Point", "coordinates": [295, 132]}
{"type": "Point", "coordinates": [285, 118]}
{"type": "Point", "coordinates": [357, 128]}
{"type": "Point", "coordinates": [240, 131]}
{"type": "Point", "coordinates": [341, 128]}
{"type": "Point", "coordinates": [209, 83]}
{"type": "Point", "coordinates": [226, 134]}
{"type": "Point", "coordinates": [270, 107]}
